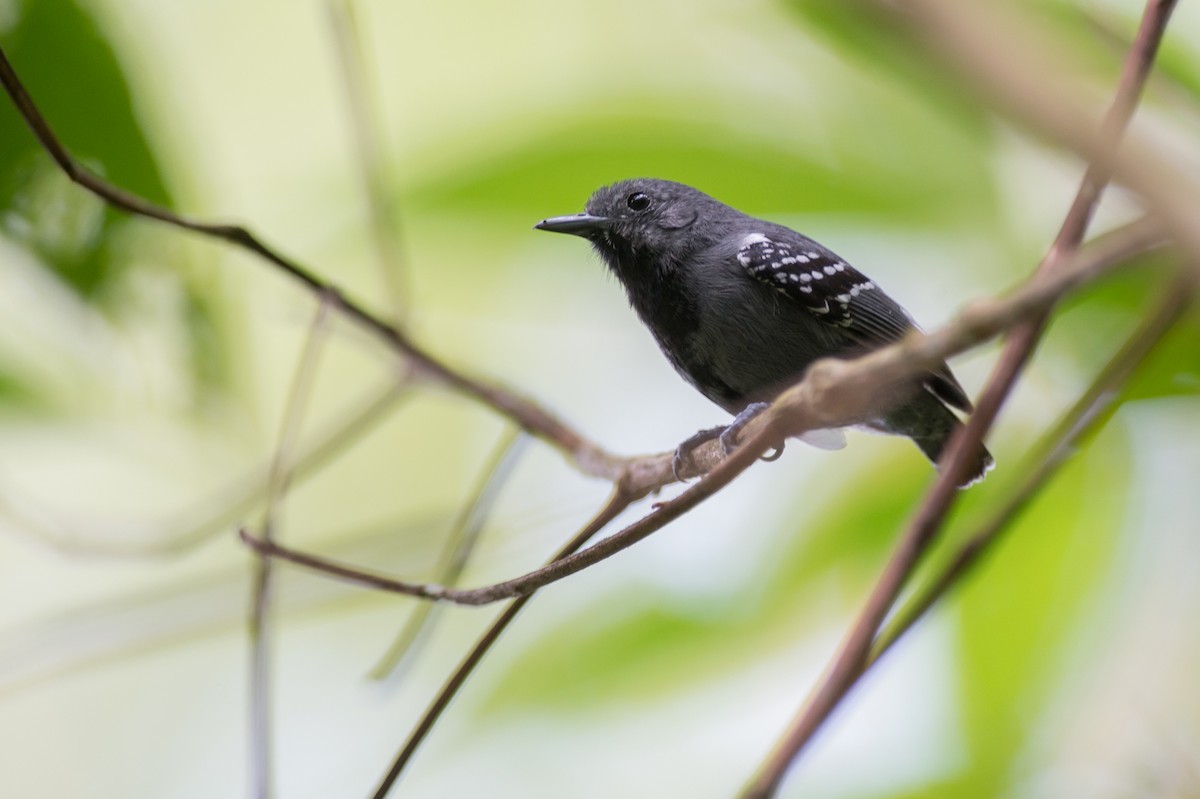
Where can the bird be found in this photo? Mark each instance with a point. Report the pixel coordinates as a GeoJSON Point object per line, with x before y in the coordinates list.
{"type": "Point", "coordinates": [741, 307]}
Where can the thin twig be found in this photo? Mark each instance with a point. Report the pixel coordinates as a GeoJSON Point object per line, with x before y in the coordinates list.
{"type": "Point", "coordinates": [765, 437]}
{"type": "Point", "coordinates": [833, 393]}
{"type": "Point", "coordinates": [1004, 53]}
{"type": "Point", "coordinates": [587, 456]}
{"type": "Point", "coordinates": [373, 168]}
{"type": "Point", "coordinates": [458, 546]}
{"type": "Point", "coordinates": [1023, 340]}
{"type": "Point", "coordinates": [260, 621]}
{"type": "Point", "coordinates": [852, 655]}
{"type": "Point", "coordinates": [617, 503]}
{"type": "Point", "coordinates": [1089, 413]}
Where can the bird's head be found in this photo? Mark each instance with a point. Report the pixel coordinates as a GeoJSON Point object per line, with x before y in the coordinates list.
{"type": "Point", "coordinates": [643, 221]}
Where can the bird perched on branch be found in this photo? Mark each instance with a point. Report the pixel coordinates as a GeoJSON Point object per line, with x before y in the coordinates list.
{"type": "Point", "coordinates": [741, 307]}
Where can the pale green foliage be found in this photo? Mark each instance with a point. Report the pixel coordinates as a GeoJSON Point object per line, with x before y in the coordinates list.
{"type": "Point", "coordinates": [143, 374]}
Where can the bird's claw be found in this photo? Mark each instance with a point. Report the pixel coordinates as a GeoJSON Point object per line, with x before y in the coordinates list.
{"type": "Point", "coordinates": [729, 436]}
{"type": "Point", "coordinates": [679, 460]}
{"type": "Point", "coordinates": [776, 454]}
{"type": "Point", "coordinates": [677, 464]}
{"type": "Point", "coordinates": [726, 435]}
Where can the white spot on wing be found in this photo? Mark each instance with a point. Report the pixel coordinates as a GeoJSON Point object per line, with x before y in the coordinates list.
{"type": "Point", "coordinates": [746, 254]}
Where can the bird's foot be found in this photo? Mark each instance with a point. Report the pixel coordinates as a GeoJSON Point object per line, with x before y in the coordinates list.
{"type": "Point", "coordinates": [776, 454]}
{"type": "Point", "coordinates": [690, 443]}
{"type": "Point", "coordinates": [727, 438]}
{"type": "Point", "coordinates": [726, 435]}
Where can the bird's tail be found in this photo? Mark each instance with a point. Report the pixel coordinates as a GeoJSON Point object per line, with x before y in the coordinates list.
{"type": "Point", "coordinates": [930, 424]}
{"type": "Point", "coordinates": [981, 460]}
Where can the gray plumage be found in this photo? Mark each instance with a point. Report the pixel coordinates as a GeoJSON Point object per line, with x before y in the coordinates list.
{"type": "Point", "coordinates": [741, 306]}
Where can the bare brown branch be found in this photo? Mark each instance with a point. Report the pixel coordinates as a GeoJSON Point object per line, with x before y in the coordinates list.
{"type": "Point", "coordinates": [1089, 413]}
{"type": "Point", "coordinates": [951, 30]}
{"type": "Point", "coordinates": [617, 503]}
{"type": "Point", "coordinates": [587, 456]}
{"type": "Point", "coordinates": [833, 393]}
{"type": "Point", "coordinates": [456, 550]}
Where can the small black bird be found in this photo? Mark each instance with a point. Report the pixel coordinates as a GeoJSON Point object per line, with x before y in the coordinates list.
{"type": "Point", "coordinates": [741, 307]}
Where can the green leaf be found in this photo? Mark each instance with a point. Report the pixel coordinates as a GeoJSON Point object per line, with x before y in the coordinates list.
{"type": "Point", "coordinates": [555, 173]}
{"type": "Point", "coordinates": [1016, 614]}
{"type": "Point", "coordinates": [1173, 367]}
{"type": "Point", "coordinates": [1093, 325]}
{"type": "Point", "coordinates": [854, 532]}
{"type": "Point", "coordinates": [73, 75]}
{"type": "Point", "coordinates": [597, 659]}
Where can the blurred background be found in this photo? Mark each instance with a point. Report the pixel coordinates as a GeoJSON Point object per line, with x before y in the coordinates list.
{"type": "Point", "coordinates": [144, 374]}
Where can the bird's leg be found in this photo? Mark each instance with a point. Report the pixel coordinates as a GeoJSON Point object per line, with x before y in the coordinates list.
{"type": "Point", "coordinates": [728, 445]}
{"type": "Point", "coordinates": [725, 435]}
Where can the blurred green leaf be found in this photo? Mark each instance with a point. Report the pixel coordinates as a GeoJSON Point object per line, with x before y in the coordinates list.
{"type": "Point", "coordinates": [1016, 613]}
{"type": "Point", "coordinates": [1173, 368]}
{"type": "Point", "coordinates": [885, 40]}
{"type": "Point", "coordinates": [862, 32]}
{"type": "Point", "coordinates": [14, 391]}
{"type": "Point", "coordinates": [1095, 323]}
{"type": "Point", "coordinates": [853, 531]}
{"type": "Point", "coordinates": [597, 659]}
{"type": "Point", "coordinates": [73, 75]}
{"type": "Point", "coordinates": [553, 173]}
{"type": "Point", "coordinates": [72, 72]}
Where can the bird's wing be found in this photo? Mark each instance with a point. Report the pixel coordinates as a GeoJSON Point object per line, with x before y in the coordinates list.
{"type": "Point", "coordinates": [838, 294]}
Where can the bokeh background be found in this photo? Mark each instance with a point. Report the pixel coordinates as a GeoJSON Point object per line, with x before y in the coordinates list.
{"type": "Point", "coordinates": [144, 374]}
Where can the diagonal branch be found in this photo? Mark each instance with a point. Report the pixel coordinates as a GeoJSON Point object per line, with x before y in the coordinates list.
{"type": "Point", "coordinates": [833, 393]}
{"type": "Point", "coordinates": [851, 657]}
{"type": "Point", "coordinates": [457, 549]}
{"type": "Point", "coordinates": [617, 503]}
{"type": "Point", "coordinates": [1089, 413]}
{"type": "Point", "coordinates": [1023, 340]}
{"type": "Point", "coordinates": [587, 456]}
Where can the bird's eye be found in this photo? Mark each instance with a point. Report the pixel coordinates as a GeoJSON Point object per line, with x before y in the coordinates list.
{"type": "Point", "coordinates": [638, 201]}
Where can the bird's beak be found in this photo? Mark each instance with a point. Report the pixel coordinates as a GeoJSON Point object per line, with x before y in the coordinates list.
{"type": "Point", "coordinates": [576, 224]}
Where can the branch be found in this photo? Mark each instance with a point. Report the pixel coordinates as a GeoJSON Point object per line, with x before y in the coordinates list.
{"type": "Point", "coordinates": [373, 167]}
{"type": "Point", "coordinates": [1020, 346]}
{"type": "Point", "coordinates": [1089, 413]}
{"type": "Point", "coordinates": [833, 393]}
{"type": "Point", "coordinates": [617, 503]}
{"type": "Point", "coordinates": [260, 621]}
{"type": "Point", "coordinates": [464, 533]}
{"type": "Point", "coordinates": [851, 657]}
{"type": "Point", "coordinates": [587, 456]}
{"type": "Point", "coordinates": [1009, 61]}
{"type": "Point", "coordinates": [766, 437]}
